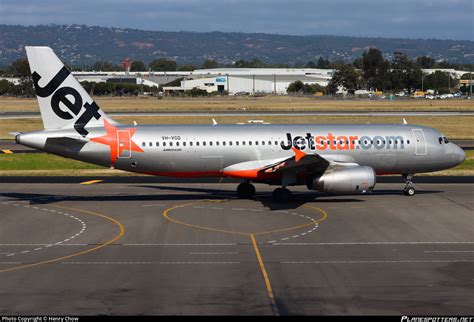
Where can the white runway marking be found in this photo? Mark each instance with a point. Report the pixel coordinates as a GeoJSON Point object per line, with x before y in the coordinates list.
{"type": "Point", "coordinates": [154, 205]}
{"type": "Point", "coordinates": [83, 224]}
{"type": "Point", "coordinates": [183, 244]}
{"type": "Point", "coordinates": [372, 243]}
{"type": "Point", "coordinates": [214, 253]}
{"type": "Point", "coordinates": [385, 261]}
{"type": "Point", "coordinates": [448, 251]}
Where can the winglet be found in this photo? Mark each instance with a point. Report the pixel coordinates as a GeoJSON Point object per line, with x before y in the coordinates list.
{"type": "Point", "coordinates": [298, 154]}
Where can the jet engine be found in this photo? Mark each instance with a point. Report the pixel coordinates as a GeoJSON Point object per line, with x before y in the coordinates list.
{"type": "Point", "coordinates": [342, 180]}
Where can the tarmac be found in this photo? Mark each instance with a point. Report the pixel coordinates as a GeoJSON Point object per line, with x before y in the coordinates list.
{"type": "Point", "coordinates": [133, 247]}
{"type": "Point", "coordinates": [28, 115]}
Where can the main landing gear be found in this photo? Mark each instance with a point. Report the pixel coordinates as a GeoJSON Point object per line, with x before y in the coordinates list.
{"type": "Point", "coordinates": [409, 190]}
{"type": "Point", "coordinates": [245, 190]}
{"type": "Point", "coordinates": [281, 194]}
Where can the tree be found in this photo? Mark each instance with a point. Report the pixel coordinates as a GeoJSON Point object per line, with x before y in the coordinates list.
{"type": "Point", "coordinates": [254, 63]}
{"type": "Point", "coordinates": [404, 74]}
{"type": "Point", "coordinates": [163, 65]}
{"type": "Point", "coordinates": [187, 67]}
{"type": "Point", "coordinates": [6, 87]}
{"type": "Point", "coordinates": [295, 87]}
{"type": "Point", "coordinates": [440, 82]}
{"type": "Point", "coordinates": [105, 66]}
{"type": "Point", "coordinates": [347, 77]}
{"type": "Point", "coordinates": [375, 69]}
{"type": "Point", "coordinates": [323, 63]}
{"type": "Point", "coordinates": [138, 66]}
{"type": "Point", "coordinates": [311, 64]}
{"type": "Point", "coordinates": [20, 68]}
{"type": "Point", "coordinates": [209, 64]}
{"type": "Point", "coordinates": [425, 62]}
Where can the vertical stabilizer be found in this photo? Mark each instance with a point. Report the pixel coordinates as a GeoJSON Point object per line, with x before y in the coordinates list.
{"type": "Point", "coordinates": [62, 100]}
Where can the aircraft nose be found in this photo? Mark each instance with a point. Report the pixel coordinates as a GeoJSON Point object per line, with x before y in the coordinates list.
{"type": "Point", "coordinates": [461, 155]}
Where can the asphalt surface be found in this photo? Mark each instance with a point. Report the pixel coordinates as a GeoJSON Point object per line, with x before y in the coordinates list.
{"type": "Point", "coordinates": [192, 248]}
{"type": "Point", "coordinates": [27, 115]}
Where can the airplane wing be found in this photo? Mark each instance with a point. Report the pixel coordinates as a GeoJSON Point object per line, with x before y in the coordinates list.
{"type": "Point", "coordinates": [301, 164]}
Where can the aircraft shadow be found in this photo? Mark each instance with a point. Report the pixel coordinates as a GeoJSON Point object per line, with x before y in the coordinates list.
{"type": "Point", "coordinates": [298, 199]}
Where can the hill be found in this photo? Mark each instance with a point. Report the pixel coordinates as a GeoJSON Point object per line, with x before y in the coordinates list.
{"type": "Point", "coordinates": [84, 45]}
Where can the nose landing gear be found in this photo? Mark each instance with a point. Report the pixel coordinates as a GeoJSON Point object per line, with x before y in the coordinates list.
{"type": "Point", "coordinates": [409, 190]}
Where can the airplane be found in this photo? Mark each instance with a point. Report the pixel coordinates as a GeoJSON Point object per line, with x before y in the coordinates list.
{"type": "Point", "coordinates": [330, 158]}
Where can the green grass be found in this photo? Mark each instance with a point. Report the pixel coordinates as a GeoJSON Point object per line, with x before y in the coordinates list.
{"type": "Point", "coordinates": [37, 161]}
{"type": "Point", "coordinates": [468, 164]}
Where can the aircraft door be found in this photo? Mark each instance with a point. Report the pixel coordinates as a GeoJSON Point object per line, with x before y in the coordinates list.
{"type": "Point", "coordinates": [124, 144]}
{"type": "Point", "coordinates": [420, 142]}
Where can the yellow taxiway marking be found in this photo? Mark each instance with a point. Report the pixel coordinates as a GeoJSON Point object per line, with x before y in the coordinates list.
{"type": "Point", "coordinates": [117, 237]}
{"type": "Point", "coordinates": [266, 279]}
{"type": "Point", "coordinates": [92, 182]}
{"type": "Point", "coordinates": [7, 151]}
{"type": "Point", "coordinates": [271, 297]}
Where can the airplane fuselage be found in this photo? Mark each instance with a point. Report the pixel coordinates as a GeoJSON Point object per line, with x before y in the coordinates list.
{"type": "Point", "coordinates": [207, 150]}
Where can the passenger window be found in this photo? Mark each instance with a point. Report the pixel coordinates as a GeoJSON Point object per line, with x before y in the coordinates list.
{"type": "Point", "coordinates": [210, 143]}
{"type": "Point", "coordinates": [236, 142]}
{"type": "Point", "coordinates": [150, 144]}
{"type": "Point", "coordinates": [243, 142]}
{"type": "Point", "coordinates": [177, 143]}
{"type": "Point", "coordinates": [143, 144]}
{"type": "Point", "coordinates": [184, 143]}
{"type": "Point", "coordinates": [197, 143]}
{"type": "Point", "coordinates": [217, 143]}
{"type": "Point", "coordinates": [157, 144]}
{"type": "Point", "coordinates": [164, 143]}
{"type": "Point", "coordinates": [230, 142]}
{"type": "Point", "coordinates": [250, 142]}
{"type": "Point", "coordinates": [171, 143]}
{"type": "Point", "coordinates": [204, 143]}
{"type": "Point", "coordinates": [256, 142]}
{"type": "Point", "coordinates": [276, 142]}
{"type": "Point", "coordinates": [190, 143]}
{"type": "Point", "coordinates": [223, 142]}
{"type": "Point", "coordinates": [408, 141]}
{"type": "Point", "coordinates": [263, 142]}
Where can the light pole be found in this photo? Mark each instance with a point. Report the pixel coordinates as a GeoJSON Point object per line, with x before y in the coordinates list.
{"type": "Point", "coordinates": [422, 88]}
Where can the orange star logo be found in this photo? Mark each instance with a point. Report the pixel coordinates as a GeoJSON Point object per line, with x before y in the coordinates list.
{"type": "Point", "coordinates": [117, 140]}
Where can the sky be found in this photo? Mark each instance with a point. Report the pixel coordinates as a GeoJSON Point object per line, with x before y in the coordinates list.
{"type": "Point", "coordinates": [441, 19]}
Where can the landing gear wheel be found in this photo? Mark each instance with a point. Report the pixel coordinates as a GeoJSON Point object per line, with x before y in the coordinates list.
{"type": "Point", "coordinates": [410, 191]}
{"type": "Point", "coordinates": [281, 194]}
{"type": "Point", "coordinates": [245, 190]}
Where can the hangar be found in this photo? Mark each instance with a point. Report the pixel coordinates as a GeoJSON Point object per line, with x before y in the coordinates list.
{"type": "Point", "coordinates": [251, 80]}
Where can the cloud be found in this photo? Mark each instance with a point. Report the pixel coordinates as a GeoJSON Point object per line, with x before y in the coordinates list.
{"type": "Point", "coordinates": [404, 18]}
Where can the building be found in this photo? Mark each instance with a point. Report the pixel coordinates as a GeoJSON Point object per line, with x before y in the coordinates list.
{"type": "Point", "coordinates": [251, 80]}
{"type": "Point", "coordinates": [148, 78]}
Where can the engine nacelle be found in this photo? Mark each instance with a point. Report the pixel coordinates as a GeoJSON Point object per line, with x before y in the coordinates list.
{"type": "Point", "coordinates": [345, 180]}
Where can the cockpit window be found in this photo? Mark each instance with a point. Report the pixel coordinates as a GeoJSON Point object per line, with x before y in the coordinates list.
{"type": "Point", "coordinates": [440, 140]}
{"type": "Point", "coordinates": [445, 140]}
